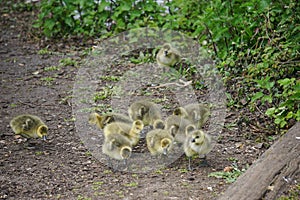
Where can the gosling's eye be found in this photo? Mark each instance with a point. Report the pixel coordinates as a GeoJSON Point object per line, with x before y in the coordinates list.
{"type": "Point", "coordinates": [197, 137]}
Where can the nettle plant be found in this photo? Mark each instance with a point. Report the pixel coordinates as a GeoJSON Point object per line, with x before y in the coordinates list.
{"type": "Point", "coordinates": [261, 65]}
{"type": "Point", "coordinates": [283, 100]}
{"type": "Point", "coordinates": [289, 105]}
{"type": "Point", "coordinates": [60, 18]}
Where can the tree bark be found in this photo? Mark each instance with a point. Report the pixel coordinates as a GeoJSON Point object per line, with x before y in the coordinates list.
{"type": "Point", "coordinates": [277, 168]}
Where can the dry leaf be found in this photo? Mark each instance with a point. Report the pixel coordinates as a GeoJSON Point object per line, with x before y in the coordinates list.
{"type": "Point", "coordinates": [271, 187]}
{"type": "Point", "coordinates": [228, 169]}
{"type": "Point", "coordinates": [35, 73]}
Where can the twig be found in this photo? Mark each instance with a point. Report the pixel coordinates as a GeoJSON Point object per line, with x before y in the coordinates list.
{"type": "Point", "coordinates": [211, 37]}
{"type": "Point", "coordinates": [259, 110]}
{"type": "Point", "coordinates": [28, 104]}
{"type": "Point", "coordinates": [184, 84]}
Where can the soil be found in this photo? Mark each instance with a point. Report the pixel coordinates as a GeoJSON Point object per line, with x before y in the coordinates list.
{"type": "Point", "coordinates": [62, 167]}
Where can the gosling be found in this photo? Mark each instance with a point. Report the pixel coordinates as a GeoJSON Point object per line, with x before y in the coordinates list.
{"type": "Point", "coordinates": [198, 114]}
{"type": "Point", "coordinates": [167, 56]}
{"type": "Point", "coordinates": [159, 140]}
{"type": "Point", "coordinates": [196, 143]}
{"type": "Point", "coordinates": [176, 125]}
{"type": "Point", "coordinates": [144, 110]}
{"type": "Point", "coordinates": [117, 146]}
{"type": "Point", "coordinates": [29, 126]}
{"type": "Point", "coordinates": [102, 120]}
{"type": "Point", "coordinates": [130, 131]}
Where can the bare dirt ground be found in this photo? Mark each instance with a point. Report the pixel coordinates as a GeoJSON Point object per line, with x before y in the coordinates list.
{"type": "Point", "coordinates": [62, 167]}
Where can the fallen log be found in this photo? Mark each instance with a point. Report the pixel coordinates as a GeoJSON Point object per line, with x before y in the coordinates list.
{"type": "Point", "coordinates": [278, 167]}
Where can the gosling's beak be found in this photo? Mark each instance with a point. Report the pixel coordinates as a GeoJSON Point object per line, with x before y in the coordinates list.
{"type": "Point", "coordinates": [166, 53]}
{"type": "Point", "coordinates": [44, 137]}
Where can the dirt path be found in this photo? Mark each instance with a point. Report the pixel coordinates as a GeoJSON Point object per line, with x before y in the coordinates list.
{"type": "Point", "coordinates": [62, 168]}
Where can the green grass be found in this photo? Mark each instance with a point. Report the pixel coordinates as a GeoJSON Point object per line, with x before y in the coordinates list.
{"type": "Point", "coordinates": [88, 153]}
{"type": "Point", "coordinates": [107, 171]}
{"type": "Point", "coordinates": [51, 68]}
{"type": "Point", "coordinates": [68, 62]}
{"type": "Point", "coordinates": [13, 105]}
{"type": "Point", "coordinates": [120, 193]}
{"type": "Point", "coordinates": [80, 197]}
{"type": "Point", "coordinates": [183, 170]}
{"type": "Point", "coordinates": [48, 80]}
{"type": "Point", "coordinates": [103, 94]}
{"type": "Point", "coordinates": [38, 153]}
{"type": "Point", "coordinates": [159, 172]}
{"type": "Point", "coordinates": [131, 184]}
{"type": "Point", "coordinates": [110, 78]}
{"type": "Point", "coordinates": [97, 185]}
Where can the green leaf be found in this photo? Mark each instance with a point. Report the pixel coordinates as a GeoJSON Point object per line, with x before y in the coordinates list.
{"type": "Point", "coordinates": [269, 85]}
{"type": "Point", "coordinates": [135, 14]}
{"type": "Point", "coordinates": [298, 115]}
{"type": "Point", "coordinates": [295, 97]}
{"type": "Point", "coordinates": [286, 82]}
{"type": "Point", "coordinates": [270, 112]}
{"type": "Point", "coordinates": [102, 6]}
{"type": "Point", "coordinates": [126, 6]}
{"type": "Point", "coordinates": [279, 121]}
{"type": "Point", "coordinates": [36, 25]}
{"type": "Point", "coordinates": [257, 96]}
{"type": "Point", "coordinates": [49, 24]}
{"type": "Point", "coordinates": [267, 98]}
{"type": "Point", "coordinates": [69, 21]}
{"type": "Point", "coordinates": [289, 115]}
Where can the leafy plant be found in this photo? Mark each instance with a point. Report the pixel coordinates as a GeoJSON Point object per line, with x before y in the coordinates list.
{"type": "Point", "coordinates": [23, 6]}
{"type": "Point", "coordinates": [289, 108]}
{"type": "Point", "coordinates": [143, 58]}
{"type": "Point", "coordinates": [89, 18]}
{"type": "Point", "coordinates": [199, 85]}
{"type": "Point", "coordinates": [229, 176]}
{"type": "Point", "coordinates": [68, 62]}
{"type": "Point", "coordinates": [264, 84]}
{"type": "Point", "coordinates": [103, 94]}
{"type": "Point", "coordinates": [44, 51]}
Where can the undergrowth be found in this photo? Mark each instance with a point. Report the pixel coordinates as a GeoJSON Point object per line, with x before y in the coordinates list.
{"type": "Point", "coordinates": [255, 43]}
